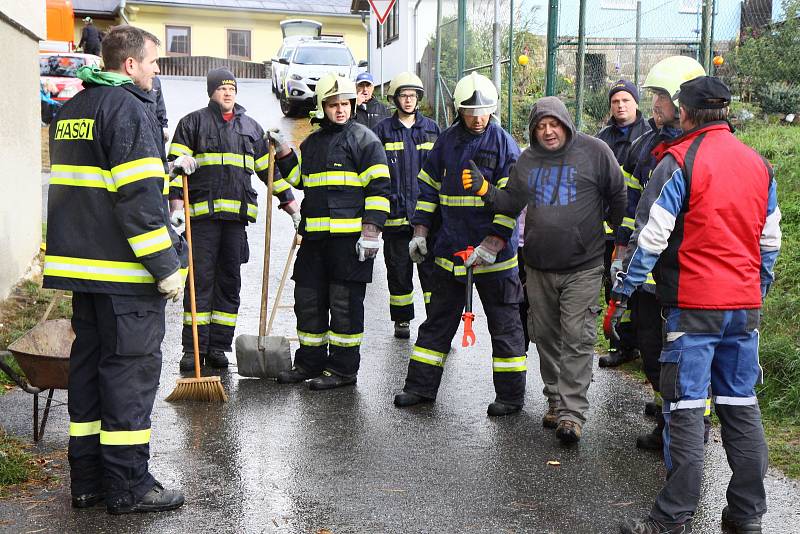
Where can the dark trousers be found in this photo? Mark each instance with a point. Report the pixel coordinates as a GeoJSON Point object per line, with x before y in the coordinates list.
{"type": "Point", "coordinates": [501, 299]}
{"type": "Point", "coordinates": [115, 365]}
{"type": "Point", "coordinates": [626, 329]}
{"type": "Point", "coordinates": [523, 308]}
{"type": "Point", "coordinates": [649, 334]}
{"type": "Point", "coordinates": [219, 248]}
{"type": "Point", "coordinates": [400, 273]}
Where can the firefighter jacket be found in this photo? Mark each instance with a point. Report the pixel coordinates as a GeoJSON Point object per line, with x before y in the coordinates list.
{"type": "Point", "coordinates": [406, 150]}
{"type": "Point", "coordinates": [371, 112]}
{"type": "Point", "coordinates": [620, 140]}
{"type": "Point", "coordinates": [343, 173]}
{"type": "Point", "coordinates": [708, 224]}
{"type": "Point", "coordinates": [465, 221]}
{"type": "Point", "coordinates": [108, 225]}
{"type": "Point", "coordinates": [227, 155]}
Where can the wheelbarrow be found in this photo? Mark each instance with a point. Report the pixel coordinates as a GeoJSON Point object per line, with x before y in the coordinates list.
{"type": "Point", "coordinates": [43, 355]}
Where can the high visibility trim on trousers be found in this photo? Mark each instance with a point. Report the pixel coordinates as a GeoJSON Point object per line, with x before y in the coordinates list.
{"type": "Point", "coordinates": [100, 270]}
{"type": "Point", "coordinates": [377, 203]}
{"type": "Point", "coordinates": [388, 147]}
{"type": "Point", "coordinates": [244, 161]}
{"type": "Point", "coordinates": [138, 169]}
{"type": "Point", "coordinates": [460, 201]}
{"type": "Point", "coordinates": [310, 339]}
{"type": "Point", "coordinates": [396, 222]}
{"type": "Point", "coordinates": [735, 401]}
{"type": "Point", "coordinates": [328, 178]}
{"type": "Point", "coordinates": [79, 430]}
{"type": "Point", "coordinates": [401, 300]}
{"type": "Point", "coordinates": [262, 163]}
{"type": "Point", "coordinates": [508, 365]}
{"type": "Point", "coordinates": [203, 318]}
{"type": "Point", "coordinates": [503, 220]}
{"type": "Point", "coordinates": [223, 318]}
{"type": "Point", "coordinates": [425, 146]}
{"type": "Point", "coordinates": [430, 207]}
{"type": "Point", "coordinates": [177, 149]}
{"type": "Point", "coordinates": [687, 404]}
{"type": "Point", "coordinates": [460, 270]}
{"type": "Point", "coordinates": [502, 182]}
{"type": "Point", "coordinates": [332, 225]}
{"type": "Point", "coordinates": [425, 177]}
{"type": "Point", "coordinates": [198, 208]}
{"type": "Point", "coordinates": [381, 170]}
{"type": "Point", "coordinates": [344, 340]}
{"type": "Point", "coordinates": [150, 242]}
{"type": "Point", "coordinates": [629, 222]}
{"type": "Point", "coordinates": [427, 297]}
{"type": "Point", "coordinates": [430, 357]}
{"type": "Point", "coordinates": [124, 437]}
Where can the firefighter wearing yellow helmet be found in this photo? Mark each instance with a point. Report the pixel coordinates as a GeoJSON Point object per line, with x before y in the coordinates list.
{"type": "Point", "coordinates": [474, 142]}
{"type": "Point", "coordinates": [344, 176]}
{"type": "Point", "coordinates": [664, 81]}
{"type": "Point", "coordinates": [408, 138]}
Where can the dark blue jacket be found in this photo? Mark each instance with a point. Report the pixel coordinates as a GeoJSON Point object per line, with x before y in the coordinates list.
{"type": "Point", "coordinates": [406, 150]}
{"type": "Point", "coordinates": [464, 218]}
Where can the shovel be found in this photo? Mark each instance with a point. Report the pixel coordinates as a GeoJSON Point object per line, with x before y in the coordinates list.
{"type": "Point", "coordinates": [264, 356]}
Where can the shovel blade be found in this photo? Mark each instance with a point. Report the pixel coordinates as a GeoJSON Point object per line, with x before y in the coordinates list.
{"type": "Point", "coordinates": [262, 357]}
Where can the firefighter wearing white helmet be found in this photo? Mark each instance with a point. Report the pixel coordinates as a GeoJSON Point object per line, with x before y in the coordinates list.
{"type": "Point", "coordinates": [664, 80]}
{"type": "Point", "coordinates": [473, 142]}
{"type": "Point", "coordinates": [408, 138]}
{"type": "Point", "coordinates": [341, 228]}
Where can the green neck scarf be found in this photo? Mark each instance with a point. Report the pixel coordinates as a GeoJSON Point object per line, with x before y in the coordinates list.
{"type": "Point", "coordinates": [96, 76]}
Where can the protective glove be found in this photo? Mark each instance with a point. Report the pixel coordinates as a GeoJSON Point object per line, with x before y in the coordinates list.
{"type": "Point", "coordinates": [616, 308]}
{"type": "Point", "coordinates": [172, 285]}
{"type": "Point", "coordinates": [178, 218]}
{"type": "Point", "coordinates": [486, 252]}
{"type": "Point", "coordinates": [369, 242]}
{"type": "Point", "coordinates": [275, 136]}
{"type": "Point", "coordinates": [293, 209]}
{"type": "Point", "coordinates": [473, 181]}
{"type": "Point", "coordinates": [182, 165]}
{"type": "Point", "coordinates": [418, 246]}
{"type": "Point", "coordinates": [616, 267]}
{"type": "Point", "coordinates": [165, 133]}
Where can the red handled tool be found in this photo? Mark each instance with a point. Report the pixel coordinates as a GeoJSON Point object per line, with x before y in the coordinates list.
{"type": "Point", "coordinates": [608, 328]}
{"type": "Point", "coordinates": [467, 316]}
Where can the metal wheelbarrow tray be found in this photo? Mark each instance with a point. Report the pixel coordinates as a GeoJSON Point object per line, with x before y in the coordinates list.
{"type": "Point", "coordinates": [43, 354]}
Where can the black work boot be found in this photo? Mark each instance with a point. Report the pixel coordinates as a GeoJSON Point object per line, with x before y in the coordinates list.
{"type": "Point", "coordinates": [406, 399]}
{"type": "Point", "coordinates": [330, 380]}
{"type": "Point", "coordinates": [651, 526]}
{"type": "Point", "coordinates": [187, 361]}
{"type": "Point", "coordinates": [87, 500]}
{"type": "Point", "coordinates": [293, 376]}
{"type": "Point", "coordinates": [497, 409]}
{"type": "Point", "coordinates": [743, 526]}
{"type": "Point", "coordinates": [617, 357]}
{"type": "Point", "coordinates": [217, 359]}
{"type": "Point", "coordinates": [157, 499]}
{"type": "Point", "coordinates": [652, 441]}
{"type": "Point", "coordinates": [402, 330]}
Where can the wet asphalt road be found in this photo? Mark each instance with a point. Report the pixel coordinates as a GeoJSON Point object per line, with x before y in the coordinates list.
{"type": "Point", "coordinates": [285, 459]}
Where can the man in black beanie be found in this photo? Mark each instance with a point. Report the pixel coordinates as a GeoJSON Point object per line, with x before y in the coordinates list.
{"type": "Point", "coordinates": [221, 148]}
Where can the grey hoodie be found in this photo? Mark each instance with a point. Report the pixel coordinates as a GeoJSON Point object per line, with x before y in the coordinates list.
{"type": "Point", "coordinates": [569, 192]}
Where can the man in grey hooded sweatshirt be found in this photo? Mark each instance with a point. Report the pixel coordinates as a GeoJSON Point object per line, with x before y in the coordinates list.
{"type": "Point", "coordinates": [570, 182]}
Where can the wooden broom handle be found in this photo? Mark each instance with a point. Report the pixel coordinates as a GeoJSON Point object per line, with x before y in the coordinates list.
{"type": "Point", "coordinates": [192, 303]}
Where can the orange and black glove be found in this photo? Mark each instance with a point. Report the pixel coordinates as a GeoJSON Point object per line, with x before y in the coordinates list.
{"type": "Point", "coordinates": [473, 181]}
{"type": "Point", "coordinates": [616, 308]}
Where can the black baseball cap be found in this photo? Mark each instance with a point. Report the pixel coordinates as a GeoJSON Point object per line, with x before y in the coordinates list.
{"type": "Point", "coordinates": [704, 92]}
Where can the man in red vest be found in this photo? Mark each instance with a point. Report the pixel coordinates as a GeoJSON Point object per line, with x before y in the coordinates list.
{"type": "Point", "coordinates": [708, 227]}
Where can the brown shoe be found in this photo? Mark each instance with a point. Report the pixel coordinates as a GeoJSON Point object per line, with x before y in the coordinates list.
{"type": "Point", "coordinates": [550, 419]}
{"type": "Point", "coordinates": [568, 431]}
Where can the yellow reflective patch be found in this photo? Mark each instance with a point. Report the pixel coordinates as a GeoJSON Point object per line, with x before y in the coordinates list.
{"type": "Point", "coordinates": [124, 437]}
{"type": "Point", "coordinates": [79, 430]}
{"type": "Point", "coordinates": [75, 129]}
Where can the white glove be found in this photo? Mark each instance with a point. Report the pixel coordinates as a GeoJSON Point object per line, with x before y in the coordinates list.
{"type": "Point", "coordinates": [182, 165]}
{"type": "Point", "coordinates": [418, 248]}
{"type": "Point", "coordinates": [293, 209]}
{"type": "Point", "coordinates": [178, 218]}
{"type": "Point", "coordinates": [172, 285]}
{"type": "Point", "coordinates": [165, 132]}
{"type": "Point", "coordinates": [276, 137]}
{"type": "Point", "coordinates": [616, 267]}
{"type": "Point", "coordinates": [480, 256]}
{"type": "Point", "coordinates": [369, 242]}
{"type": "Point", "coordinates": [296, 217]}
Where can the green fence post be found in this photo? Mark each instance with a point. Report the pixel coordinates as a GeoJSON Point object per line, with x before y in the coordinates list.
{"type": "Point", "coordinates": [437, 95]}
{"type": "Point", "coordinates": [552, 30]}
{"type": "Point", "coordinates": [462, 37]}
{"type": "Point", "coordinates": [511, 60]}
{"type": "Point", "coordinates": [580, 65]}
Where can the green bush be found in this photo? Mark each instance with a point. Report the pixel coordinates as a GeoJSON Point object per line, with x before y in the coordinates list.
{"type": "Point", "coordinates": [779, 97]}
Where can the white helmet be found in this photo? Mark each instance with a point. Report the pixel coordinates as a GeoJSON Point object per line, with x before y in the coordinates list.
{"type": "Point", "coordinates": [405, 80]}
{"type": "Point", "coordinates": [332, 85]}
{"type": "Point", "coordinates": [475, 94]}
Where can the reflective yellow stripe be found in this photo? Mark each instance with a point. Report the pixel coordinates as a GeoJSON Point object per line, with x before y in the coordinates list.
{"type": "Point", "coordinates": [427, 297]}
{"type": "Point", "coordinates": [631, 181]}
{"type": "Point", "coordinates": [629, 223]}
{"type": "Point", "coordinates": [377, 204]}
{"type": "Point", "coordinates": [147, 243]}
{"type": "Point", "coordinates": [177, 149]}
{"type": "Point", "coordinates": [223, 318]}
{"type": "Point", "coordinates": [79, 430]}
{"type": "Point", "coordinates": [312, 340]}
{"type": "Point", "coordinates": [294, 175]}
{"type": "Point", "coordinates": [430, 357]}
{"type": "Point", "coordinates": [607, 228]}
{"type": "Point", "coordinates": [394, 146]}
{"type": "Point", "coordinates": [138, 169]}
{"type": "Point", "coordinates": [202, 318]}
{"type": "Point", "coordinates": [279, 186]}
{"type": "Point", "coordinates": [461, 201]}
{"type": "Point", "coordinates": [227, 205]}
{"type": "Point", "coordinates": [502, 183]}
{"type": "Point", "coordinates": [509, 365]}
{"type": "Point", "coordinates": [374, 173]}
{"type": "Point", "coordinates": [708, 408]}
{"type": "Point", "coordinates": [401, 300]}
{"type": "Point", "coordinates": [176, 182]}
{"type": "Point", "coordinates": [425, 177]}
{"type": "Point", "coordinates": [344, 340]}
{"type": "Point", "coordinates": [425, 146]}
{"type": "Point", "coordinates": [650, 279]}
{"type": "Point", "coordinates": [396, 222]}
{"type": "Point", "coordinates": [460, 270]}
{"type": "Point", "coordinates": [328, 178]}
{"type": "Point", "coordinates": [199, 208]}
{"type": "Point", "coordinates": [124, 437]}
{"type": "Point", "coordinates": [334, 226]}
{"type": "Point", "coordinates": [252, 211]}
{"type": "Point", "coordinates": [503, 220]}
{"type": "Point", "coordinates": [262, 163]}
{"type": "Point", "coordinates": [244, 161]}
{"type": "Point", "coordinates": [100, 270]}
{"type": "Point", "coordinates": [626, 317]}
{"type": "Point", "coordinates": [82, 176]}
{"type": "Point", "coordinates": [430, 207]}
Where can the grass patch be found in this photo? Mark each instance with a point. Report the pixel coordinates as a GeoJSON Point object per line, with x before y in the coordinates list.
{"type": "Point", "coordinates": [784, 447]}
{"type": "Point", "coordinates": [16, 465]}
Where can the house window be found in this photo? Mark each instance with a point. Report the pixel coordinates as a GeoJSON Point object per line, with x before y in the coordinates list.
{"type": "Point", "coordinates": [618, 4]}
{"type": "Point", "coordinates": [179, 41]}
{"type": "Point", "coordinates": [391, 28]}
{"type": "Point", "coordinates": [239, 44]}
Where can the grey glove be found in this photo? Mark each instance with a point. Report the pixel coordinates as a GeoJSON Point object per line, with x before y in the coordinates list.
{"type": "Point", "coordinates": [418, 246]}
{"type": "Point", "coordinates": [182, 165]}
{"type": "Point", "coordinates": [369, 242]}
{"type": "Point", "coordinates": [275, 136]}
{"type": "Point", "coordinates": [172, 285]}
{"type": "Point", "coordinates": [486, 252]}
{"type": "Point", "coordinates": [178, 218]}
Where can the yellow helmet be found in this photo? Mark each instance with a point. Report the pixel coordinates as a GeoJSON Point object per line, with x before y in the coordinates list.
{"type": "Point", "coordinates": [669, 73]}
{"type": "Point", "coordinates": [475, 94]}
{"type": "Point", "coordinates": [331, 85]}
{"type": "Point", "coordinates": [405, 80]}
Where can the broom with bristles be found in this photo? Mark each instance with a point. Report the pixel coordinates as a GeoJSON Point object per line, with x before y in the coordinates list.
{"type": "Point", "coordinates": [199, 388]}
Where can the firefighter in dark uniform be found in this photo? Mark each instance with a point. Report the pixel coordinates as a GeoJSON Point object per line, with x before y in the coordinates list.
{"type": "Point", "coordinates": [407, 137]}
{"type": "Point", "coordinates": [474, 141]}
{"type": "Point", "coordinates": [110, 242]}
{"type": "Point", "coordinates": [345, 179]}
{"type": "Point", "coordinates": [369, 110]}
{"type": "Point", "coordinates": [221, 148]}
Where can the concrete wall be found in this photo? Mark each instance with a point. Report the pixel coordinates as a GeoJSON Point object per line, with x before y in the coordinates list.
{"type": "Point", "coordinates": [20, 140]}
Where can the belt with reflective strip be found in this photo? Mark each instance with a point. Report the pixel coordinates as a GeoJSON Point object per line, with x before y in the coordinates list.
{"type": "Point", "coordinates": [377, 203]}
{"type": "Point", "coordinates": [463, 201]}
{"type": "Point", "coordinates": [401, 300]}
{"type": "Point", "coordinates": [430, 357]}
{"type": "Point", "coordinates": [332, 225]}
{"type": "Point", "coordinates": [223, 318]}
{"type": "Point", "coordinates": [124, 437]}
{"type": "Point", "coordinates": [425, 177]}
{"type": "Point", "coordinates": [509, 365]}
{"type": "Point", "coordinates": [344, 340]}
{"type": "Point", "coordinates": [460, 270]}
{"type": "Point", "coordinates": [150, 242]}
{"type": "Point", "coordinates": [99, 270]}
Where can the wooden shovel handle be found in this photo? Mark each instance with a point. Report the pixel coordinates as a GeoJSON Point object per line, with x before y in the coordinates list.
{"type": "Point", "coordinates": [262, 321]}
